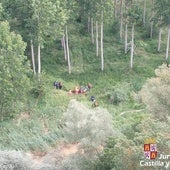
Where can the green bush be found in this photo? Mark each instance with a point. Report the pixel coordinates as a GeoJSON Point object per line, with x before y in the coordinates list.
{"type": "Point", "coordinates": [91, 127]}
{"type": "Point", "coordinates": [156, 93]}
{"type": "Point", "coordinates": [14, 71]}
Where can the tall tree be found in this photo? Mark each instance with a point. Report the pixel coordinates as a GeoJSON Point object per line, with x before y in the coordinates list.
{"type": "Point", "coordinates": [97, 40]}
{"type": "Point", "coordinates": [121, 19]}
{"type": "Point", "coordinates": [64, 46]}
{"type": "Point", "coordinates": [92, 30]}
{"type": "Point", "coordinates": [162, 8]}
{"type": "Point", "coordinates": [152, 20]}
{"type": "Point", "coordinates": [67, 51]}
{"type": "Point", "coordinates": [126, 38]}
{"type": "Point", "coordinates": [14, 71]}
{"type": "Point", "coordinates": [167, 44]}
{"type": "Point", "coordinates": [159, 39]}
{"type": "Point", "coordinates": [134, 17]}
{"type": "Point", "coordinates": [49, 18]}
{"type": "Point", "coordinates": [101, 42]}
{"type": "Point", "coordinates": [33, 57]}
{"type": "Point", "coordinates": [37, 19]}
{"type": "Point", "coordinates": [132, 47]}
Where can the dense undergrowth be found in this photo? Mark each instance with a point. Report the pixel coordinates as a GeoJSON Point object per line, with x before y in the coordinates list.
{"type": "Point", "coordinates": [40, 127]}
{"type": "Point", "coordinates": [112, 88]}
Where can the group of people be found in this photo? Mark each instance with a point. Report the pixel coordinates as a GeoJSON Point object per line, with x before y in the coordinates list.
{"type": "Point", "coordinates": [58, 85]}
{"type": "Point", "coordinates": [78, 90]}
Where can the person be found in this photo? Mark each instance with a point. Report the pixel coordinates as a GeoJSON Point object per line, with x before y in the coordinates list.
{"type": "Point", "coordinates": [60, 85]}
{"type": "Point", "coordinates": [92, 98]}
{"type": "Point", "coordinates": [89, 85]}
{"type": "Point", "coordinates": [95, 104]}
{"type": "Point", "coordinates": [76, 90]}
{"type": "Point", "coordinates": [70, 92]}
{"type": "Point", "coordinates": [55, 85]}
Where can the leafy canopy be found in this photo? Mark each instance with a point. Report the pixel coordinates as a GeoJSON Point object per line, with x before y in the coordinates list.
{"type": "Point", "coordinates": [14, 70]}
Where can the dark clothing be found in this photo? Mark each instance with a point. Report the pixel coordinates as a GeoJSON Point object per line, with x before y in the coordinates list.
{"type": "Point", "coordinates": [58, 85]}
{"type": "Point", "coordinates": [92, 98]}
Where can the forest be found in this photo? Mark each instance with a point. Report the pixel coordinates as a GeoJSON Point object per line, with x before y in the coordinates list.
{"type": "Point", "coordinates": [84, 85]}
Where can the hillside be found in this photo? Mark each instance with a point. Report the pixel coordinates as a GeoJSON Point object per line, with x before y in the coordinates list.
{"type": "Point", "coordinates": [46, 128]}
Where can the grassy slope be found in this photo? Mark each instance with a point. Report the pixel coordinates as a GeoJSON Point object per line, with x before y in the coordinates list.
{"type": "Point", "coordinates": [117, 78]}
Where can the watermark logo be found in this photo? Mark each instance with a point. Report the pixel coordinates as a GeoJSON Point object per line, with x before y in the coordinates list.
{"type": "Point", "coordinates": [153, 157]}
{"type": "Point", "coordinates": [150, 148]}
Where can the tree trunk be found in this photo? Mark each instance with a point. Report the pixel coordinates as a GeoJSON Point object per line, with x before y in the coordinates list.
{"type": "Point", "coordinates": [33, 58]}
{"type": "Point", "coordinates": [97, 40]}
{"type": "Point", "coordinates": [68, 54]}
{"type": "Point", "coordinates": [144, 13]}
{"type": "Point", "coordinates": [39, 59]}
{"type": "Point", "coordinates": [121, 20]}
{"type": "Point", "coordinates": [64, 47]}
{"type": "Point", "coordinates": [101, 43]}
{"type": "Point", "coordinates": [88, 25]}
{"type": "Point", "coordinates": [132, 47]}
{"type": "Point", "coordinates": [126, 32]}
{"type": "Point", "coordinates": [92, 31]}
{"type": "Point", "coordinates": [151, 29]}
{"type": "Point", "coordinates": [167, 44]}
{"type": "Point", "coordinates": [151, 23]}
{"type": "Point", "coordinates": [159, 39]}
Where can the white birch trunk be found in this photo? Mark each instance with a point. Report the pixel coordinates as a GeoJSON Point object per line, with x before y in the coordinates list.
{"type": "Point", "coordinates": [64, 47]}
{"type": "Point", "coordinates": [144, 13]}
{"type": "Point", "coordinates": [126, 37]}
{"type": "Point", "coordinates": [88, 25]}
{"type": "Point", "coordinates": [151, 24]}
{"type": "Point", "coordinates": [97, 40]}
{"type": "Point", "coordinates": [159, 39]}
{"type": "Point", "coordinates": [92, 31]}
{"type": "Point", "coordinates": [132, 47]}
{"type": "Point", "coordinates": [101, 43]}
{"type": "Point", "coordinates": [167, 44]}
{"type": "Point", "coordinates": [68, 54]}
{"type": "Point", "coordinates": [39, 59]}
{"type": "Point", "coordinates": [121, 20]}
{"type": "Point", "coordinates": [151, 29]}
{"type": "Point", "coordinates": [33, 58]}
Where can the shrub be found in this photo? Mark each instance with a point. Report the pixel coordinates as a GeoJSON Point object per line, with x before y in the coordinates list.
{"type": "Point", "coordinates": [14, 160]}
{"type": "Point", "coordinates": [14, 71]}
{"type": "Point", "coordinates": [156, 93]}
{"type": "Point", "coordinates": [87, 126]}
{"type": "Point", "coordinates": [117, 96]}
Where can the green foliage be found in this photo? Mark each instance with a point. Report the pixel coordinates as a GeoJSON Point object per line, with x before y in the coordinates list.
{"type": "Point", "coordinates": [49, 18]}
{"type": "Point", "coordinates": [135, 14]}
{"type": "Point", "coordinates": [117, 96]}
{"type": "Point", "coordinates": [125, 153]}
{"type": "Point", "coordinates": [15, 160]}
{"type": "Point", "coordinates": [39, 89]}
{"type": "Point", "coordinates": [48, 118]}
{"type": "Point", "coordinates": [86, 126]}
{"type": "Point", "coordinates": [21, 133]}
{"type": "Point", "coordinates": [163, 10]}
{"type": "Point", "coordinates": [120, 153]}
{"type": "Point", "coordinates": [14, 71]}
{"type": "Point", "coordinates": [1, 12]}
{"type": "Point", "coordinates": [155, 93]}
